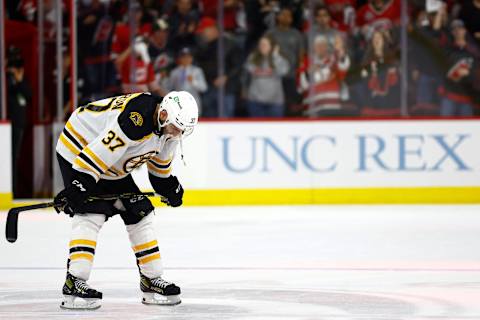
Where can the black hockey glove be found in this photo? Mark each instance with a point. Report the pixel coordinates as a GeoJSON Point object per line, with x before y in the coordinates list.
{"type": "Point", "coordinates": [169, 188]}
{"type": "Point", "coordinates": [74, 195]}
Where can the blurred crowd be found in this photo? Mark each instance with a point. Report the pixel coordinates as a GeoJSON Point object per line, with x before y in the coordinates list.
{"type": "Point", "coordinates": [262, 58]}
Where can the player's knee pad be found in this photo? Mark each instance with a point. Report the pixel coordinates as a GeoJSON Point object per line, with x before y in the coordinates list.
{"type": "Point", "coordinates": [89, 222]}
{"type": "Point", "coordinates": [142, 226]}
{"type": "Point", "coordinates": [136, 209]}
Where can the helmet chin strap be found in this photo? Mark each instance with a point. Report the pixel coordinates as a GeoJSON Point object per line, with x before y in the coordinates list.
{"type": "Point", "coordinates": [181, 152]}
{"type": "Point", "coordinates": [165, 123]}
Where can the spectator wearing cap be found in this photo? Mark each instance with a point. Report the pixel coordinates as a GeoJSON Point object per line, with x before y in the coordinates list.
{"type": "Point", "coordinates": [183, 22]}
{"type": "Point", "coordinates": [188, 77]}
{"type": "Point", "coordinates": [234, 17]}
{"type": "Point", "coordinates": [163, 58]}
{"type": "Point", "coordinates": [457, 92]}
{"type": "Point", "coordinates": [291, 43]}
{"type": "Point", "coordinates": [230, 11]}
{"type": "Point", "coordinates": [207, 58]}
{"type": "Point", "coordinates": [266, 67]}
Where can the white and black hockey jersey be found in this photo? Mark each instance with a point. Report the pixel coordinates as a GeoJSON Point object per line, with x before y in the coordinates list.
{"type": "Point", "coordinates": [109, 138]}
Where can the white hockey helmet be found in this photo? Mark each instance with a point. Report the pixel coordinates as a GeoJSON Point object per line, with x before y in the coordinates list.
{"type": "Point", "coordinates": [182, 111]}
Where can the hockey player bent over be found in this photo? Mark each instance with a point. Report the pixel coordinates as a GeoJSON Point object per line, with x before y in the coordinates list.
{"type": "Point", "coordinates": [100, 145]}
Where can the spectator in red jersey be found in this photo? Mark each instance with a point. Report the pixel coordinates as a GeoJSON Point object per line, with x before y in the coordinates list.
{"type": "Point", "coordinates": [266, 67]}
{"type": "Point", "coordinates": [380, 69]}
{"type": "Point", "coordinates": [322, 75]}
{"type": "Point", "coordinates": [95, 30]}
{"type": "Point", "coordinates": [121, 48]}
{"type": "Point", "coordinates": [378, 15]}
{"type": "Point", "coordinates": [324, 25]}
{"type": "Point", "coordinates": [458, 89]}
{"type": "Point", "coordinates": [230, 9]}
{"type": "Point", "coordinates": [139, 76]}
{"type": "Point", "coordinates": [234, 17]}
{"type": "Point", "coordinates": [183, 22]}
{"type": "Point", "coordinates": [343, 13]}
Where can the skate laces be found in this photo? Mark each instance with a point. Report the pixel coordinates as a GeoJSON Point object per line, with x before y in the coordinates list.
{"type": "Point", "coordinates": [82, 285]}
{"type": "Point", "coordinates": [159, 282]}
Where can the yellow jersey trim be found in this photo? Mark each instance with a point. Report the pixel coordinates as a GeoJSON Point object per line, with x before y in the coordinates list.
{"type": "Point", "coordinates": [162, 162]}
{"type": "Point", "coordinates": [116, 170]}
{"type": "Point", "coordinates": [151, 167]}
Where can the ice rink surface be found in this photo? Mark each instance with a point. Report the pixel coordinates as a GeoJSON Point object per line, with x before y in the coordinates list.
{"type": "Point", "coordinates": [288, 262]}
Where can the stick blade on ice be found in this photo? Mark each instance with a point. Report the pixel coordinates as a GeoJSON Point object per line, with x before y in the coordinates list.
{"type": "Point", "coordinates": [11, 228]}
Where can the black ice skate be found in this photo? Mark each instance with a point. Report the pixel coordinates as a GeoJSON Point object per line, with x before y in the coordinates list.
{"type": "Point", "coordinates": [78, 294]}
{"type": "Point", "coordinates": [159, 291]}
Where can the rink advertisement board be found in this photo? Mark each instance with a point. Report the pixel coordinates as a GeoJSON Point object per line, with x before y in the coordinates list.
{"type": "Point", "coordinates": [416, 161]}
{"type": "Point", "coordinates": [6, 161]}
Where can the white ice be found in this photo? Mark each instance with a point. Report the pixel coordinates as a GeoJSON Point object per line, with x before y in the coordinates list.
{"type": "Point", "coordinates": [288, 262]}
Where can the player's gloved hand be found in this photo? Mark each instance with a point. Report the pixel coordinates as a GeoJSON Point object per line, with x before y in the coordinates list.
{"type": "Point", "coordinates": [74, 194]}
{"type": "Point", "coordinates": [170, 188]}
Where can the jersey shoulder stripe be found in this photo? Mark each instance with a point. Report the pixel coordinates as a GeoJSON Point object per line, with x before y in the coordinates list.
{"type": "Point", "coordinates": [136, 119]}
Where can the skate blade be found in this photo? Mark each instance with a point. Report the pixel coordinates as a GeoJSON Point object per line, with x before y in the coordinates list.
{"type": "Point", "coordinates": [77, 303]}
{"type": "Point", "coordinates": [158, 299]}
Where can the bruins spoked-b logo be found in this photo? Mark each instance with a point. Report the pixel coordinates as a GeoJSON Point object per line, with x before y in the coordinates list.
{"type": "Point", "coordinates": [137, 161]}
{"type": "Point", "coordinates": [136, 118]}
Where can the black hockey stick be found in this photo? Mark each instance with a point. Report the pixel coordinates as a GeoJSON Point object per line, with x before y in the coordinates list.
{"type": "Point", "coordinates": [11, 227]}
